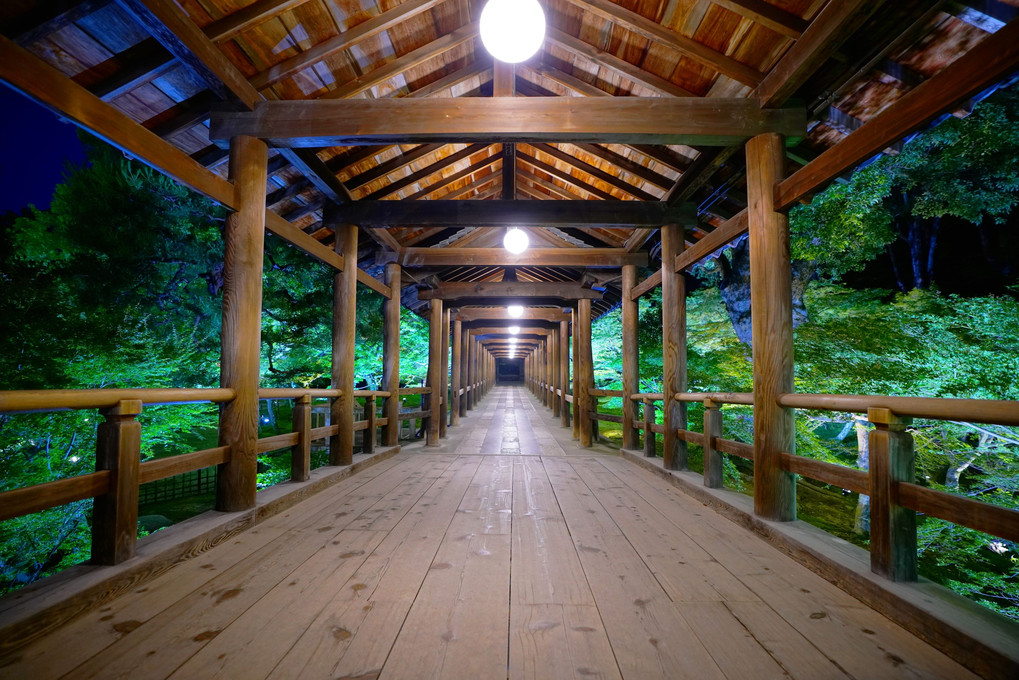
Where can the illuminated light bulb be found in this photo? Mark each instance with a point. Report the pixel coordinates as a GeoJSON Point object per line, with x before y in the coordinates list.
{"type": "Point", "coordinates": [516, 311]}
{"type": "Point", "coordinates": [514, 330]}
{"type": "Point", "coordinates": [515, 240]}
{"type": "Point", "coordinates": [512, 30]}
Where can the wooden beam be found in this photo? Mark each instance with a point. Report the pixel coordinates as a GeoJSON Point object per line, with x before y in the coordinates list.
{"type": "Point", "coordinates": [595, 172]}
{"type": "Point", "coordinates": [479, 67]}
{"type": "Point", "coordinates": [508, 289]}
{"type": "Point", "coordinates": [391, 356]}
{"type": "Point", "coordinates": [344, 41]}
{"type": "Point", "coordinates": [986, 64]}
{"type": "Point", "coordinates": [656, 32]}
{"type": "Point", "coordinates": [674, 451]}
{"type": "Point", "coordinates": [424, 173]}
{"type": "Point", "coordinates": [311, 166]}
{"type": "Point", "coordinates": [775, 18]}
{"type": "Point", "coordinates": [237, 22]}
{"type": "Point", "coordinates": [626, 164]}
{"type": "Point", "coordinates": [650, 120]}
{"type": "Point", "coordinates": [476, 184]}
{"type": "Point", "coordinates": [368, 214]}
{"type": "Point", "coordinates": [565, 176]}
{"type": "Point", "coordinates": [344, 337]}
{"type": "Point", "coordinates": [650, 283]}
{"type": "Point", "coordinates": [499, 313]}
{"type": "Point", "coordinates": [631, 354]}
{"type": "Point", "coordinates": [533, 257]}
{"type": "Point", "coordinates": [395, 163]}
{"type": "Point", "coordinates": [836, 22]}
{"type": "Point", "coordinates": [636, 74]}
{"type": "Point", "coordinates": [456, 177]}
{"type": "Point", "coordinates": [175, 30]}
{"type": "Point", "coordinates": [572, 83]}
{"type": "Point", "coordinates": [393, 68]}
{"type": "Point", "coordinates": [723, 235]}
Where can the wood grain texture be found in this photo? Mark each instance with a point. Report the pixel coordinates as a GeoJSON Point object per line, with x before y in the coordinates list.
{"type": "Point", "coordinates": [341, 445]}
{"type": "Point", "coordinates": [242, 325]}
{"type": "Point", "coordinates": [631, 356]}
{"type": "Point", "coordinates": [444, 372]}
{"type": "Point", "coordinates": [564, 372]}
{"type": "Point", "coordinates": [391, 355]}
{"type": "Point", "coordinates": [772, 330]}
{"type": "Point", "coordinates": [706, 121]}
{"type": "Point", "coordinates": [456, 370]}
{"type": "Point", "coordinates": [585, 372]}
{"type": "Point", "coordinates": [115, 513]}
{"type": "Point", "coordinates": [435, 364]}
{"type": "Point", "coordinates": [300, 454]}
{"type": "Point", "coordinates": [673, 348]}
{"type": "Point", "coordinates": [892, 526]}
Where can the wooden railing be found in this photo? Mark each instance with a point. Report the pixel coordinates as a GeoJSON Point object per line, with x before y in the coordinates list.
{"type": "Point", "coordinates": [119, 470]}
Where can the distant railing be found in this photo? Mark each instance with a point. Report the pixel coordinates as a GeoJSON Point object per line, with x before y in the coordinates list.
{"type": "Point", "coordinates": [119, 470]}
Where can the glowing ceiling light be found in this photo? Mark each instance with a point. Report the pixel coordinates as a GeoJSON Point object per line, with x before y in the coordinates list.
{"type": "Point", "coordinates": [515, 240]}
{"type": "Point", "coordinates": [516, 311]}
{"type": "Point", "coordinates": [514, 330]}
{"type": "Point", "coordinates": [512, 30]}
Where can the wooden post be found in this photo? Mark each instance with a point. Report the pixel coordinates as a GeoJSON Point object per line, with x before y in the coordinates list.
{"type": "Point", "coordinates": [368, 438]}
{"type": "Point", "coordinates": [576, 375]}
{"type": "Point", "coordinates": [391, 357]}
{"type": "Point", "coordinates": [712, 456]}
{"type": "Point", "coordinates": [564, 372]}
{"type": "Point", "coordinates": [585, 370]}
{"type": "Point", "coordinates": [472, 371]}
{"type": "Point", "coordinates": [341, 445]}
{"type": "Point", "coordinates": [892, 527]}
{"type": "Point", "coordinates": [465, 356]}
{"type": "Point", "coordinates": [649, 433]}
{"type": "Point", "coordinates": [772, 330]}
{"type": "Point", "coordinates": [300, 453]}
{"type": "Point", "coordinates": [115, 513]}
{"type": "Point", "coordinates": [434, 372]}
{"type": "Point", "coordinates": [673, 347]}
{"type": "Point", "coordinates": [631, 376]}
{"type": "Point", "coordinates": [550, 370]}
{"type": "Point", "coordinates": [444, 374]}
{"type": "Point", "coordinates": [557, 349]}
{"type": "Point", "coordinates": [242, 326]}
{"type": "Point", "coordinates": [456, 379]}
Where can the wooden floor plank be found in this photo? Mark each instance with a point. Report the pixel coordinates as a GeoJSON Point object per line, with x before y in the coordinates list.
{"type": "Point", "coordinates": [559, 641]}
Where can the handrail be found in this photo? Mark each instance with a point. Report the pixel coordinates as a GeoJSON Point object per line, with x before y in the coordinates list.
{"type": "Point", "coordinates": [12, 401]}
{"type": "Point", "coordinates": [294, 392]}
{"type": "Point", "coordinates": [373, 393]}
{"type": "Point", "coordinates": [643, 396]}
{"type": "Point", "coordinates": [969, 410]}
{"type": "Point", "coordinates": [606, 393]}
{"type": "Point", "coordinates": [415, 390]}
{"type": "Point", "coordinates": [741, 398]}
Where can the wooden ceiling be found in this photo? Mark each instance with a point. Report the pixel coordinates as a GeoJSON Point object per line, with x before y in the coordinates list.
{"type": "Point", "coordinates": [168, 66]}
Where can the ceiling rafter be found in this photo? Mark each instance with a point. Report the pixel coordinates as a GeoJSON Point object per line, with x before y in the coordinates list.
{"type": "Point", "coordinates": [564, 176]}
{"type": "Point", "coordinates": [456, 176]}
{"type": "Point", "coordinates": [425, 172]}
{"type": "Point", "coordinates": [595, 172]}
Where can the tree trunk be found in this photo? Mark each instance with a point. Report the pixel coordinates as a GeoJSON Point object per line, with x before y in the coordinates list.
{"type": "Point", "coordinates": [735, 288]}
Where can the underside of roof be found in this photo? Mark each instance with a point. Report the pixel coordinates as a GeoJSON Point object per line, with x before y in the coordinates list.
{"type": "Point", "coordinates": [169, 66]}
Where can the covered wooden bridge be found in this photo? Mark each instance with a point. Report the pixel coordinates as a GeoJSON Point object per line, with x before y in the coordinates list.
{"type": "Point", "coordinates": [385, 142]}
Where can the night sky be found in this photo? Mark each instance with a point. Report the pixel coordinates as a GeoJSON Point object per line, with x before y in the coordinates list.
{"type": "Point", "coordinates": [35, 146]}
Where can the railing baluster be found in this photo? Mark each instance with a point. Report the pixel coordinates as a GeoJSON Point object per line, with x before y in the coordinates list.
{"type": "Point", "coordinates": [300, 453]}
{"type": "Point", "coordinates": [712, 457]}
{"type": "Point", "coordinates": [368, 441]}
{"type": "Point", "coordinates": [649, 433]}
{"type": "Point", "coordinates": [892, 527]}
{"type": "Point", "coordinates": [115, 514]}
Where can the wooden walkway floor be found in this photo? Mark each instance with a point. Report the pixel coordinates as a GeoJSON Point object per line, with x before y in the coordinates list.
{"type": "Point", "coordinates": [507, 552]}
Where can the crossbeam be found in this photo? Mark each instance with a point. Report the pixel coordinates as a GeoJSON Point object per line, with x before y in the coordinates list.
{"type": "Point", "coordinates": [500, 314]}
{"type": "Point", "coordinates": [381, 214]}
{"type": "Point", "coordinates": [647, 120]}
{"type": "Point", "coordinates": [499, 257]}
{"type": "Point", "coordinates": [508, 289]}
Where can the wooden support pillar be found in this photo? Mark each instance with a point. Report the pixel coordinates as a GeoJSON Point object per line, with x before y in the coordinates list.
{"type": "Point", "coordinates": [465, 355]}
{"type": "Point", "coordinates": [585, 369]}
{"type": "Point", "coordinates": [556, 362]}
{"type": "Point", "coordinates": [712, 456]}
{"type": "Point", "coordinates": [542, 374]}
{"type": "Point", "coordinates": [550, 370]}
{"type": "Point", "coordinates": [892, 527]}
{"type": "Point", "coordinates": [434, 372]}
{"type": "Point", "coordinates": [673, 347]}
{"type": "Point", "coordinates": [576, 375]}
{"type": "Point", "coordinates": [391, 356]}
{"type": "Point", "coordinates": [631, 375]}
{"type": "Point", "coordinates": [456, 378]}
{"type": "Point", "coordinates": [564, 372]}
{"type": "Point", "coordinates": [341, 444]}
{"type": "Point", "coordinates": [115, 513]}
{"type": "Point", "coordinates": [244, 238]}
{"type": "Point", "coordinates": [300, 453]}
{"type": "Point", "coordinates": [444, 374]}
{"type": "Point", "coordinates": [772, 330]}
{"type": "Point", "coordinates": [472, 371]}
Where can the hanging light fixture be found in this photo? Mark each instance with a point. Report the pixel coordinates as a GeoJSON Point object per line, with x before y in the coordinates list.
{"type": "Point", "coordinates": [514, 330]}
{"type": "Point", "coordinates": [515, 240]}
{"type": "Point", "coordinates": [512, 30]}
{"type": "Point", "coordinates": [516, 311]}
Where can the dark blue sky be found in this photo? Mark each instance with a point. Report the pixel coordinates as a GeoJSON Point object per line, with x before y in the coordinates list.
{"type": "Point", "coordinates": [35, 147]}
